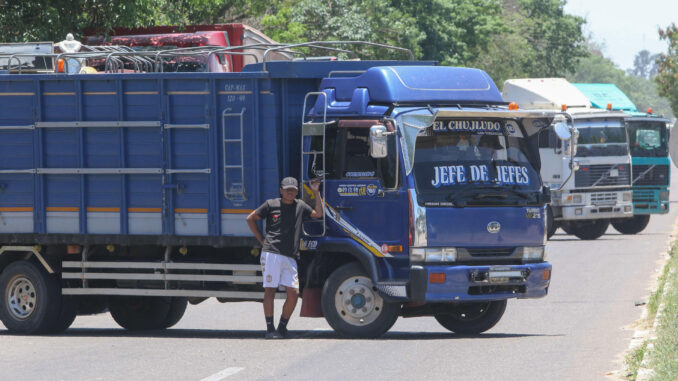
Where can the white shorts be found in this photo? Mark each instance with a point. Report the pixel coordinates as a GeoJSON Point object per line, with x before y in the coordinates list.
{"type": "Point", "coordinates": [279, 270]}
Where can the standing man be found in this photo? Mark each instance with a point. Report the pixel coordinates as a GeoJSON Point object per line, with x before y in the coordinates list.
{"type": "Point", "coordinates": [280, 248]}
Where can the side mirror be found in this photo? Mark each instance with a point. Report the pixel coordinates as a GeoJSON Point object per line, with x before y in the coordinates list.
{"type": "Point", "coordinates": [562, 130]}
{"type": "Point", "coordinates": [378, 142]}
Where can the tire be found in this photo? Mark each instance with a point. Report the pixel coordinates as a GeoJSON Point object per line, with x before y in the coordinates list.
{"type": "Point", "coordinates": [176, 312]}
{"type": "Point", "coordinates": [91, 304]}
{"type": "Point", "coordinates": [370, 315]}
{"type": "Point", "coordinates": [633, 225]}
{"type": "Point", "coordinates": [140, 313]}
{"type": "Point", "coordinates": [69, 310]}
{"type": "Point", "coordinates": [590, 229]}
{"type": "Point", "coordinates": [567, 227]}
{"type": "Point", "coordinates": [31, 299]}
{"type": "Point", "coordinates": [473, 318]}
{"type": "Point", "coordinates": [551, 224]}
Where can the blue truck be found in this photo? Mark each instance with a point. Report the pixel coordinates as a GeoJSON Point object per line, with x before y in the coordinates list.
{"type": "Point", "coordinates": [649, 147]}
{"type": "Point", "coordinates": [129, 192]}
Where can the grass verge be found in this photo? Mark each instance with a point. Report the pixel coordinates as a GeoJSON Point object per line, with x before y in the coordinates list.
{"type": "Point", "coordinates": [664, 355]}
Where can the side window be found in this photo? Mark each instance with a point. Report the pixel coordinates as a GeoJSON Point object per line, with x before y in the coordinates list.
{"type": "Point", "coordinates": [357, 160]}
{"type": "Point", "coordinates": [315, 167]}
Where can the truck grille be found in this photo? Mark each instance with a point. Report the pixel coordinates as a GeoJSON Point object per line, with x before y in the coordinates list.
{"type": "Point", "coordinates": [641, 195]}
{"type": "Point", "coordinates": [602, 198]}
{"type": "Point", "coordinates": [490, 252]}
{"type": "Point", "coordinates": [650, 174]}
{"type": "Point", "coordinates": [600, 175]}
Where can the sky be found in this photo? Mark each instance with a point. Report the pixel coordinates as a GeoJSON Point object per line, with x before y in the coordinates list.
{"type": "Point", "coordinates": [625, 27]}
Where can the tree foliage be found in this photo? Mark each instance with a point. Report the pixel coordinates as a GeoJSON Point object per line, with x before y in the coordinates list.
{"type": "Point", "coordinates": [644, 64]}
{"type": "Point", "coordinates": [541, 40]}
{"type": "Point", "coordinates": [643, 93]}
{"type": "Point", "coordinates": [667, 77]}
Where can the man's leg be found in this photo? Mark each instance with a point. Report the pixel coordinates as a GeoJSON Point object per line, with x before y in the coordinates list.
{"type": "Point", "coordinates": [290, 279]}
{"type": "Point", "coordinates": [270, 268]}
{"type": "Point", "coordinates": [290, 302]}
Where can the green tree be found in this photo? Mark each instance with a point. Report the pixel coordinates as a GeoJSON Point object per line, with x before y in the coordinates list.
{"type": "Point", "coordinates": [540, 40]}
{"type": "Point", "coordinates": [667, 77]}
{"type": "Point", "coordinates": [642, 91]}
{"type": "Point", "coordinates": [456, 31]}
{"type": "Point", "coordinates": [315, 20]}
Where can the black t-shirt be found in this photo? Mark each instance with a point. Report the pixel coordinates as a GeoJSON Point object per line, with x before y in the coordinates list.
{"type": "Point", "coordinates": [283, 225]}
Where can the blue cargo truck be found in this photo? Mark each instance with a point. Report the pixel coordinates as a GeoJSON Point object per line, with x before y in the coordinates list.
{"type": "Point", "coordinates": [649, 147]}
{"type": "Point", "coordinates": [129, 192]}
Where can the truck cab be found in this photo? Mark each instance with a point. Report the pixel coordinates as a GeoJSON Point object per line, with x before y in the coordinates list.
{"type": "Point", "coordinates": [446, 202]}
{"type": "Point", "coordinates": [601, 190]}
{"type": "Point", "coordinates": [648, 145]}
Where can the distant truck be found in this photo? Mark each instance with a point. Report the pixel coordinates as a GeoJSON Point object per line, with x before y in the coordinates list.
{"type": "Point", "coordinates": [129, 192]}
{"type": "Point", "coordinates": [649, 146]}
{"type": "Point", "coordinates": [601, 190]}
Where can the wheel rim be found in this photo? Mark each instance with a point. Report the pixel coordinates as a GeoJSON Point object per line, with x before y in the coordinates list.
{"type": "Point", "coordinates": [21, 298]}
{"type": "Point", "coordinates": [357, 301]}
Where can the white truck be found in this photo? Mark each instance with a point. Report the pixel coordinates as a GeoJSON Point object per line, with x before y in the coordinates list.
{"type": "Point", "coordinates": [601, 189]}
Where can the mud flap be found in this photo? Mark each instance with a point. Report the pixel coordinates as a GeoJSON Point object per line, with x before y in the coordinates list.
{"type": "Point", "coordinates": [310, 303]}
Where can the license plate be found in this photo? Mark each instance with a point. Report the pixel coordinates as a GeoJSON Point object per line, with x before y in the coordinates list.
{"type": "Point", "coordinates": [504, 276]}
{"type": "Point", "coordinates": [614, 172]}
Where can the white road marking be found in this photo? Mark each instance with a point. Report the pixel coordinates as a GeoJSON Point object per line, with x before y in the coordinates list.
{"type": "Point", "coordinates": [223, 374]}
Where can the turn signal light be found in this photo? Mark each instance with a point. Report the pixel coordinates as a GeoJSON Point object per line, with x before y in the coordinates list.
{"type": "Point", "coordinates": [546, 275]}
{"type": "Point", "coordinates": [395, 249]}
{"type": "Point", "coordinates": [609, 107]}
{"type": "Point", "coordinates": [563, 107]}
{"type": "Point", "coordinates": [436, 278]}
{"type": "Point", "coordinates": [513, 106]}
{"type": "Point", "coordinates": [649, 110]}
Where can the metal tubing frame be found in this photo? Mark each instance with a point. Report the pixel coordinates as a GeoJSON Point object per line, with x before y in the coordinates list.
{"type": "Point", "coordinates": [303, 154]}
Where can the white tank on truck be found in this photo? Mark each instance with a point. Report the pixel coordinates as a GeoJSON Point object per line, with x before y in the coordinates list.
{"type": "Point", "coordinates": [601, 189]}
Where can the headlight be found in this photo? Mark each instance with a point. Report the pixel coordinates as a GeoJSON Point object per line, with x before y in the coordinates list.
{"type": "Point", "coordinates": [628, 196]}
{"type": "Point", "coordinates": [576, 199]}
{"type": "Point", "coordinates": [664, 195]}
{"type": "Point", "coordinates": [433, 254]}
{"type": "Point", "coordinates": [533, 253]}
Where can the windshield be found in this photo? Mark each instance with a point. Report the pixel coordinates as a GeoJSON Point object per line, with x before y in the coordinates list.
{"type": "Point", "coordinates": [486, 167]}
{"type": "Point", "coordinates": [648, 138]}
{"type": "Point", "coordinates": [596, 140]}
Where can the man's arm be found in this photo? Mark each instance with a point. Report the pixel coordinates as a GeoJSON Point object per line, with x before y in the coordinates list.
{"type": "Point", "coordinates": [318, 211]}
{"type": "Point", "coordinates": [252, 219]}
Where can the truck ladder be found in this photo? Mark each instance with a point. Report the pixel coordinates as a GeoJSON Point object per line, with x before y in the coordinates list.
{"type": "Point", "coordinates": [234, 189]}
{"type": "Point", "coordinates": [311, 128]}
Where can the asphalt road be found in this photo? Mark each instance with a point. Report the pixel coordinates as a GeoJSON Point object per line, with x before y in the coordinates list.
{"type": "Point", "coordinates": [577, 332]}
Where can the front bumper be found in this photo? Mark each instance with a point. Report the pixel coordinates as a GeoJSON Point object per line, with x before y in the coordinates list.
{"type": "Point", "coordinates": [591, 212]}
{"type": "Point", "coordinates": [648, 201]}
{"type": "Point", "coordinates": [479, 283]}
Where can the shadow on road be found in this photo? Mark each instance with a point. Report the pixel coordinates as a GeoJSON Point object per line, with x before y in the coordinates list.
{"type": "Point", "coordinates": [259, 334]}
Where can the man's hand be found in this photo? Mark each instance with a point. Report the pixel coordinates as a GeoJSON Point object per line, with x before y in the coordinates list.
{"type": "Point", "coordinates": [315, 185]}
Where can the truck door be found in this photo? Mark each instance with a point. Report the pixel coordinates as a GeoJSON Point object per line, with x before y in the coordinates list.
{"type": "Point", "coordinates": [357, 190]}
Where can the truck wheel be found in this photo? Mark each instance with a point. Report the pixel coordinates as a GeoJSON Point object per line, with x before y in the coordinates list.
{"type": "Point", "coordinates": [551, 224]}
{"type": "Point", "coordinates": [31, 298]}
{"type": "Point", "coordinates": [69, 311]}
{"type": "Point", "coordinates": [473, 318]}
{"type": "Point", "coordinates": [352, 305]}
{"type": "Point", "coordinates": [138, 313]}
{"type": "Point", "coordinates": [176, 311]}
{"type": "Point", "coordinates": [633, 225]}
{"type": "Point", "coordinates": [591, 229]}
{"type": "Point", "coordinates": [567, 228]}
